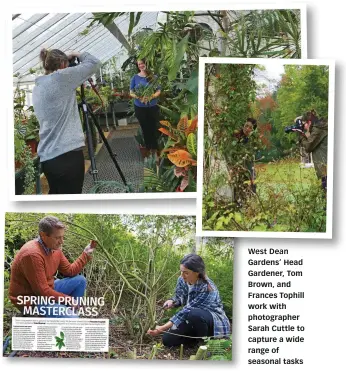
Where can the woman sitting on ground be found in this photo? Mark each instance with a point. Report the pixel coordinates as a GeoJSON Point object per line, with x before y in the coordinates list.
{"type": "Point", "coordinates": [202, 313]}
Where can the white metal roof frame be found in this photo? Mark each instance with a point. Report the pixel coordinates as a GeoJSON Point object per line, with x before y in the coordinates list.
{"type": "Point", "coordinates": [63, 31]}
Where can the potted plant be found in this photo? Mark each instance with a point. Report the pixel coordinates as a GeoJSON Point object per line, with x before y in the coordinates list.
{"type": "Point", "coordinates": [24, 162]}
{"type": "Point", "coordinates": [26, 172]}
{"type": "Point", "coordinates": [181, 152]}
{"type": "Point", "coordinates": [26, 128]}
{"type": "Point", "coordinates": [19, 146]}
{"type": "Point", "coordinates": [32, 131]}
{"type": "Point", "coordinates": [140, 140]}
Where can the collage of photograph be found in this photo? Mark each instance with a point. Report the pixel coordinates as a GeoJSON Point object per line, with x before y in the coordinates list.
{"type": "Point", "coordinates": [265, 148]}
{"type": "Point", "coordinates": [219, 106]}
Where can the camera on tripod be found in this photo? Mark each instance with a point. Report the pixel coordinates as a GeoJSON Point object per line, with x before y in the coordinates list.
{"type": "Point", "coordinates": [297, 126]}
{"type": "Point", "coordinates": [86, 112]}
{"type": "Point", "coordinates": [74, 61]}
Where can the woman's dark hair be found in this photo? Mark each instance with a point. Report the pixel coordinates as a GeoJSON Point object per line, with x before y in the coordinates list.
{"type": "Point", "coordinates": [150, 75]}
{"type": "Point", "coordinates": [253, 122]}
{"type": "Point", "coordinates": [52, 59]}
{"type": "Point", "coordinates": [310, 116]}
{"type": "Point", "coordinates": [196, 264]}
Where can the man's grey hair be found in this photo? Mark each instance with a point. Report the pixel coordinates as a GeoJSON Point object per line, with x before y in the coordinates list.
{"type": "Point", "coordinates": [49, 223]}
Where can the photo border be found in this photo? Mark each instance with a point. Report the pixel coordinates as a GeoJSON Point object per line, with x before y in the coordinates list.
{"type": "Point", "coordinates": [266, 62]}
{"type": "Point", "coordinates": [169, 6]}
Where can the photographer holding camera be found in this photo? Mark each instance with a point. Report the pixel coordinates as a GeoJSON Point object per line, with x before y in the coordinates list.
{"type": "Point", "coordinates": [314, 139]}
{"type": "Point", "coordinates": [61, 134]}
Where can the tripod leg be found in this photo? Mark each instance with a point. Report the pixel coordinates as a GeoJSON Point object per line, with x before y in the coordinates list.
{"type": "Point", "coordinates": [108, 147]}
{"type": "Point", "coordinates": [113, 115]}
{"type": "Point", "coordinates": [106, 115]}
{"type": "Point", "coordinates": [91, 152]}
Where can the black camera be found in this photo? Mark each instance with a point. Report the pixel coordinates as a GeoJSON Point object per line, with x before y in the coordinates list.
{"type": "Point", "coordinates": [74, 61]}
{"type": "Point", "coordinates": [297, 126]}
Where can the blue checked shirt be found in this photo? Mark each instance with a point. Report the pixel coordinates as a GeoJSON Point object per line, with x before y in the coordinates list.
{"type": "Point", "coordinates": [198, 296]}
{"type": "Point", "coordinates": [45, 248]}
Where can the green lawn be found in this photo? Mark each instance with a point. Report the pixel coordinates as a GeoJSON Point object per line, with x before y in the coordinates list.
{"type": "Point", "coordinates": [284, 172]}
{"type": "Point", "coordinates": [288, 198]}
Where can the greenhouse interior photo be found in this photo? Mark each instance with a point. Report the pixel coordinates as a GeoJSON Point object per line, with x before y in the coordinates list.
{"type": "Point", "coordinates": [107, 102]}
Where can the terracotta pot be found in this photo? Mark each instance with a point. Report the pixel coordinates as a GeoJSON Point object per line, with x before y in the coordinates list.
{"type": "Point", "coordinates": [32, 143]}
{"type": "Point", "coordinates": [18, 165]}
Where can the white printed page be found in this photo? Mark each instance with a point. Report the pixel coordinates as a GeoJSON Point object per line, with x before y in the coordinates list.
{"type": "Point", "coordinates": [53, 334]}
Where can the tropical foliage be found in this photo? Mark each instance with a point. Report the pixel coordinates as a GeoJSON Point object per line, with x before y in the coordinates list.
{"type": "Point", "coordinates": [26, 129]}
{"type": "Point", "coordinates": [181, 151]}
{"type": "Point", "coordinates": [172, 49]}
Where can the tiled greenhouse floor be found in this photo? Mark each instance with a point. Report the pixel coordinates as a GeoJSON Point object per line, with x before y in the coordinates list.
{"type": "Point", "coordinates": [128, 156]}
{"type": "Point", "coordinates": [123, 143]}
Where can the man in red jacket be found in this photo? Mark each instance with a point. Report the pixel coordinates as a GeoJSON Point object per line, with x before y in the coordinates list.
{"type": "Point", "coordinates": [34, 267]}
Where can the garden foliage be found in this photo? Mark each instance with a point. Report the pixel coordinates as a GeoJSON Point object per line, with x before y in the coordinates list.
{"type": "Point", "coordinates": [135, 265]}
{"type": "Point", "coordinates": [282, 196]}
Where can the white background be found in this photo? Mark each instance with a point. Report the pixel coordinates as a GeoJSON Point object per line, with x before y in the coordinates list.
{"type": "Point", "coordinates": [324, 278]}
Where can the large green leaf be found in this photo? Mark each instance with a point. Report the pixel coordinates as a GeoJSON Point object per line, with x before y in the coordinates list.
{"type": "Point", "coordinates": [175, 116]}
{"type": "Point", "coordinates": [191, 143]}
{"type": "Point", "coordinates": [131, 23]}
{"type": "Point", "coordinates": [105, 18]}
{"type": "Point", "coordinates": [192, 83]}
{"type": "Point", "coordinates": [134, 19]}
{"type": "Point", "coordinates": [181, 49]}
{"type": "Point", "coordinates": [151, 180]}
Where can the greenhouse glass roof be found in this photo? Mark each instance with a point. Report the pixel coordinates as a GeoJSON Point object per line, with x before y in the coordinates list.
{"type": "Point", "coordinates": [277, 34]}
{"type": "Point", "coordinates": [66, 31]}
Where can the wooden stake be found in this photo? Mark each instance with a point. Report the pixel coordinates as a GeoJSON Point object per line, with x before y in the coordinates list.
{"type": "Point", "coordinates": [201, 353]}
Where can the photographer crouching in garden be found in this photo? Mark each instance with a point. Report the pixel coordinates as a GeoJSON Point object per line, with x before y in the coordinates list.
{"type": "Point", "coordinates": [147, 111]}
{"type": "Point", "coordinates": [314, 139]}
{"type": "Point", "coordinates": [34, 267]}
{"type": "Point", "coordinates": [61, 135]}
{"type": "Point", "coordinates": [202, 313]}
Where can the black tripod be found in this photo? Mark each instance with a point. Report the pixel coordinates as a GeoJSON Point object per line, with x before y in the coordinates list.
{"type": "Point", "coordinates": [86, 110]}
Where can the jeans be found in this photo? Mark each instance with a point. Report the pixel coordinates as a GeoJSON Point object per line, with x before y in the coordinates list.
{"type": "Point", "coordinates": [72, 286]}
{"type": "Point", "coordinates": [199, 323]}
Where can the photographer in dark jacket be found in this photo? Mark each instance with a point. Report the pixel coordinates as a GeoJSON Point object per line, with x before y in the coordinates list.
{"type": "Point", "coordinates": [314, 139]}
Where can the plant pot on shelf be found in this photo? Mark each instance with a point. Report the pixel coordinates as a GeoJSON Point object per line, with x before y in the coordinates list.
{"type": "Point", "coordinates": [18, 165]}
{"type": "Point", "coordinates": [95, 108]}
{"type": "Point", "coordinates": [32, 143]}
{"type": "Point", "coordinates": [122, 122]}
